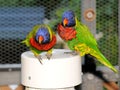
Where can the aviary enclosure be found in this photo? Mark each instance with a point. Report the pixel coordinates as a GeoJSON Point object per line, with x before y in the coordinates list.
{"type": "Point", "coordinates": [17, 17]}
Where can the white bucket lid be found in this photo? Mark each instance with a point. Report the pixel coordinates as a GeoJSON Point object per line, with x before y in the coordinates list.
{"type": "Point", "coordinates": [62, 70]}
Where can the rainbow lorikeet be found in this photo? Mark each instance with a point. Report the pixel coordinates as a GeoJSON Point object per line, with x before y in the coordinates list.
{"type": "Point", "coordinates": [79, 38]}
{"type": "Point", "coordinates": [41, 39]}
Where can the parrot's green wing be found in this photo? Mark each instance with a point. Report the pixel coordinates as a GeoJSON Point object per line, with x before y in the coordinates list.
{"type": "Point", "coordinates": [84, 35]}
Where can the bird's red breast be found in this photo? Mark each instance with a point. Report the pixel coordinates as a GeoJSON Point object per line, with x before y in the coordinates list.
{"type": "Point", "coordinates": [46, 46]}
{"type": "Point", "coordinates": [66, 33]}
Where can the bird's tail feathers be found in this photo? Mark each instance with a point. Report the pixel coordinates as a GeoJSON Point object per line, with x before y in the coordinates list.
{"type": "Point", "coordinates": [100, 57]}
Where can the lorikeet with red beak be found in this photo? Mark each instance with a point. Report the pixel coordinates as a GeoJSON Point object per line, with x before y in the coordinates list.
{"type": "Point", "coordinates": [41, 39]}
{"type": "Point", "coordinates": [79, 38]}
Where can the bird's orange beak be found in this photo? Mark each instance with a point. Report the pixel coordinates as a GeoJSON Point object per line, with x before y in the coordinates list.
{"type": "Point", "coordinates": [65, 21]}
{"type": "Point", "coordinates": [40, 39]}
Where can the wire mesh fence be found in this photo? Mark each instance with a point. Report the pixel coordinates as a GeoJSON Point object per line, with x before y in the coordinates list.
{"type": "Point", "coordinates": [17, 17]}
{"type": "Point", "coordinates": [107, 24]}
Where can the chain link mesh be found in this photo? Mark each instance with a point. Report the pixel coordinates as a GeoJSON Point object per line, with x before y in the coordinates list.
{"type": "Point", "coordinates": [107, 24]}
{"type": "Point", "coordinates": [17, 17]}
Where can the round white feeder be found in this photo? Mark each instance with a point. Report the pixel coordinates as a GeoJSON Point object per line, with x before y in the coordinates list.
{"type": "Point", "coordinates": [61, 71]}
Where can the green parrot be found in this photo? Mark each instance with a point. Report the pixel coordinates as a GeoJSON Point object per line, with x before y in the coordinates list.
{"type": "Point", "coordinates": [79, 38]}
{"type": "Point", "coordinates": [39, 40]}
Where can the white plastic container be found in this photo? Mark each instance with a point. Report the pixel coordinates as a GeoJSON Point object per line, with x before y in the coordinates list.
{"type": "Point", "coordinates": [61, 71]}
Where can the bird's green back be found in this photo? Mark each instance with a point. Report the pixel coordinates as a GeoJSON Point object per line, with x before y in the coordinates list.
{"type": "Point", "coordinates": [84, 35]}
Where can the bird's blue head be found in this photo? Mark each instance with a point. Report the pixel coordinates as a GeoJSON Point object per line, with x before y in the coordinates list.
{"type": "Point", "coordinates": [42, 35]}
{"type": "Point", "coordinates": [68, 18]}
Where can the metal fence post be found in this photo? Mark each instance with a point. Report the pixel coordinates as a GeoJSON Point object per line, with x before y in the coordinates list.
{"type": "Point", "coordinates": [88, 11]}
{"type": "Point", "coordinates": [88, 17]}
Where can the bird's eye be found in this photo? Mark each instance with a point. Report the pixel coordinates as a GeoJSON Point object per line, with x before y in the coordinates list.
{"type": "Point", "coordinates": [72, 17]}
{"type": "Point", "coordinates": [46, 34]}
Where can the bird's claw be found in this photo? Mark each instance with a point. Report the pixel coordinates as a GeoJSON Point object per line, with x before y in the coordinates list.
{"type": "Point", "coordinates": [72, 53]}
{"type": "Point", "coordinates": [48, 56]}
{"type": "Point", "coordinates": [39, 58]}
